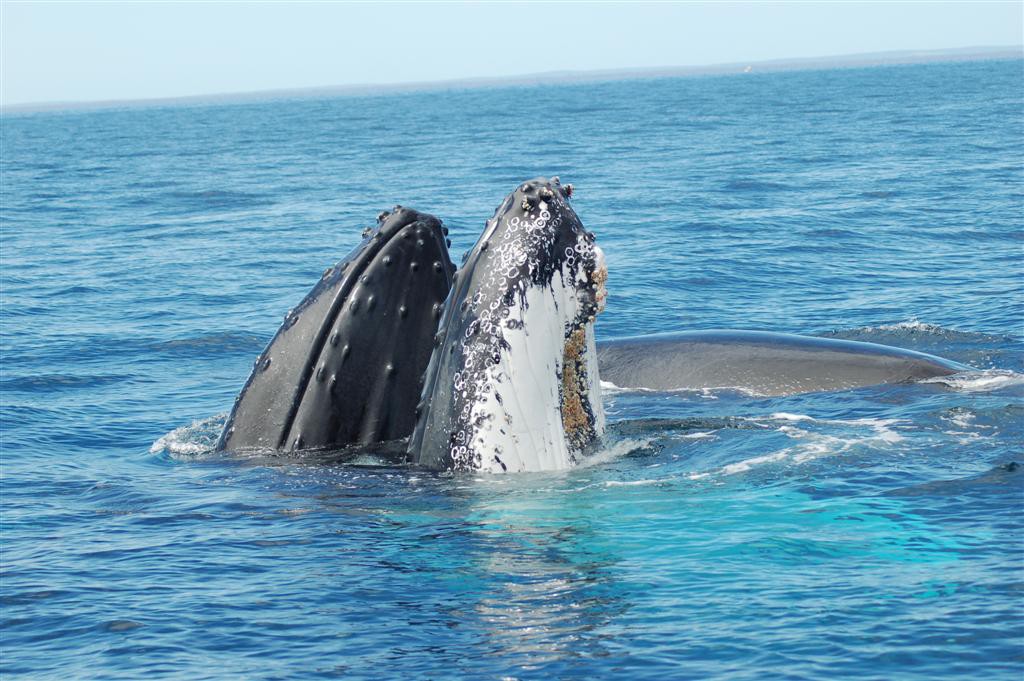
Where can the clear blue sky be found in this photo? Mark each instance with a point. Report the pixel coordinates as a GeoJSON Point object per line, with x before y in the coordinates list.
{"type": "Point", "coordinates": [57, 51]}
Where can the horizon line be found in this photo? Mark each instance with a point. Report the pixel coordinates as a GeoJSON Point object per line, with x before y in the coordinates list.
{"type": "Point", "coordinates": [854, 60]}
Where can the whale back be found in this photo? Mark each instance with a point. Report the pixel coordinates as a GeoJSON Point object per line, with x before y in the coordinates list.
{"type": "Point", "coordinates": [346, 365]}
{"type": "Point", "coordinates": [759, 362]}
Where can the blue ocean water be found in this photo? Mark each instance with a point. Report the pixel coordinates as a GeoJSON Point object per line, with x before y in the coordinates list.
{"type": "Point", "coordinates": [148, 254]}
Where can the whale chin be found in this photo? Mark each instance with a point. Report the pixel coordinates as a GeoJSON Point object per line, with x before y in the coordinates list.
{"type": "Point", "coordinates": [539, 406]}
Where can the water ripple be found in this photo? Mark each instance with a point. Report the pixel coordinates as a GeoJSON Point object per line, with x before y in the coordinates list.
{"type": "Point", "coordinates": [713, 534]}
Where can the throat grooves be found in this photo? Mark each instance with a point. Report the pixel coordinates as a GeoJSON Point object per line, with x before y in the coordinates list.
{"type": "Point", "coordinates": [317, 347]}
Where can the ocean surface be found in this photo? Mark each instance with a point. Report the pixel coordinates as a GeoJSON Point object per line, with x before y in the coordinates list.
{"type": "Point", "coordinates": [149, 254]}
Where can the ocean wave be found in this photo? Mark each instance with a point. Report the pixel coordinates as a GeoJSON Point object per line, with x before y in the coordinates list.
{"type": "Point", "coordinates": [632, 483]}
{"type": "Point", "coordinates": [810, 445]}
{"type": "Point", "coordinates": [909, 325]}
{"type": "Point", "coordinates": [615, 450]}
{"type": "Point", "coordinates": [976, 349]}
{"type": "Point", "coordinates": [77, 290]}
{"type": "Point", "coordinates": [1005, 477]}
{"type": "Point", "coordinates": [912, 328]}
{"type": "Point", "coordinates": [754, 186]}
{"type": "Point", "coordinates": [210, 344]}
{"type": "Point", "coordinates": [43, 383]}
{"type": "Point", "coordinates": [198, 440]}
{"type": "Point", "coordinates": [199, 202]}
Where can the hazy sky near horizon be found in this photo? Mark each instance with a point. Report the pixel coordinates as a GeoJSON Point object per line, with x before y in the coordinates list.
{"type": "Point", "coordinates": [84, 51]}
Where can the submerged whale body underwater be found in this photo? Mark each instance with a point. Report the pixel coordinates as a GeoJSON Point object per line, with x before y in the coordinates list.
{"type": "Point", "coordinates": [496, 367]}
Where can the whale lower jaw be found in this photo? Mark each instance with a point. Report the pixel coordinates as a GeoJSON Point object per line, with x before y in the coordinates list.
{"type": "Point", "coordinates": [543, 406]}
{"type": "Point", "coordinates": [520, 411]}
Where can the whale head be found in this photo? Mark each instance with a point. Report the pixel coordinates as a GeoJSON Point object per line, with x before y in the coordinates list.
{"type": "Point", "coordinates": [346, 364]}
{"type": "Point", "coordinates": [512, 383]}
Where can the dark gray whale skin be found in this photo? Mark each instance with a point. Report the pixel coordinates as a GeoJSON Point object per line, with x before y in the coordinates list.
{"type": "Point", "coordinates": [760, 362]}
{"type": "Point", "coordinates": [346, 365]}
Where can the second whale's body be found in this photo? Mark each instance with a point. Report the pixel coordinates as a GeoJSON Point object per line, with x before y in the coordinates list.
{"type": "Point", "coordinates": [759, 362]}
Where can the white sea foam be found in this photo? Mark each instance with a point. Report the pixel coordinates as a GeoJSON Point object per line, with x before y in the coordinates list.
{"type": "Point", "coordinates": [809, 444]}
{"type": "Point", "coordinates": [911, 324]}
{"type": "Point", "coordinates": [882, 427]}
{"type": "Point", "coordinates": [747, 464]}
{"type": "Point", "coordinates": [783, 416]}
{"type": "Point", "coordinates": [609, 388]}
{"type": "Point", "coordinates": [964, 438]}
{"type": "Point", "coordinates": [615, 451]}
{"type": "Point", "coordinates": [630, 483]}
{"type": "Point", "coordinates": [988, 380]}
{"type": "Point", "coordinates": [960, 418]}
{"type": "Point", "coordinates": [191, 441]}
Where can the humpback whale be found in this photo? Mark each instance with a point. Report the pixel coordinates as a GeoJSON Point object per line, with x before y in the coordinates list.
{"type": "Point", "coordinates": [495, 367]}
{"type": "Point", "coordinates": [760, 362]}
{"type": "Point", "coordinates": [345, 366]}
{"type": "Point", "coordinates": [513, 384]}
